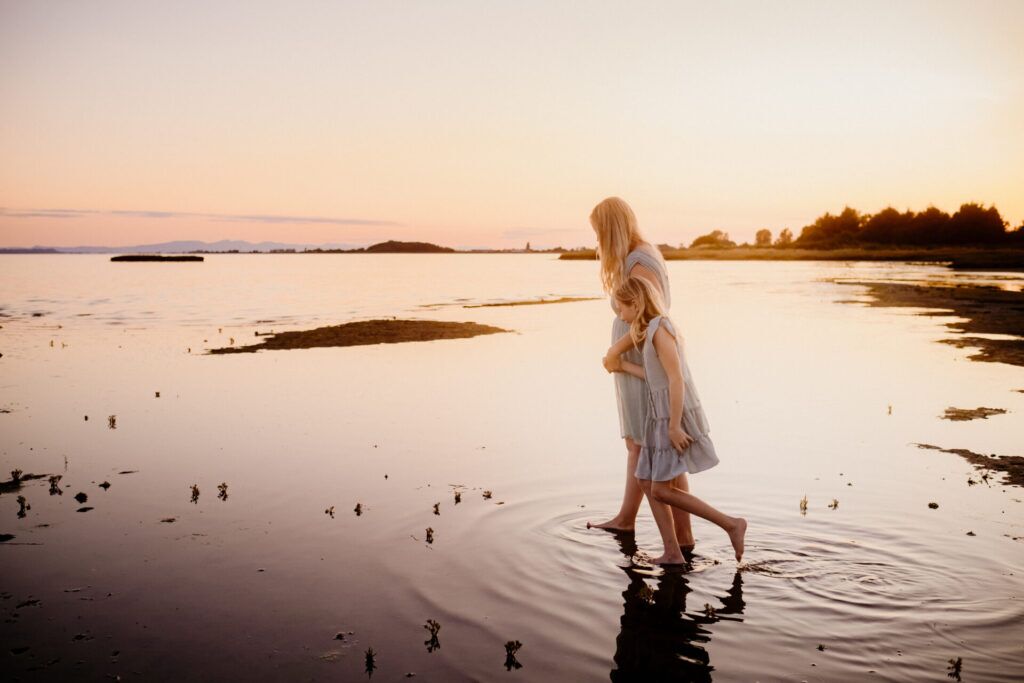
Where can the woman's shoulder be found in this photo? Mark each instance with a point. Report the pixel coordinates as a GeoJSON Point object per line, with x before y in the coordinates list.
{"type": "Point", "coordinates": [645, 255]}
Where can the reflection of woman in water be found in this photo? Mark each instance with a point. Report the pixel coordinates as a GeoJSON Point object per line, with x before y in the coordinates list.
{"type": "Point", "coordinates": [659, 640]}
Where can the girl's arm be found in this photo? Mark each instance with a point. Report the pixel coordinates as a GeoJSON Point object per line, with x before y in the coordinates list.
{"type": "Point", "coordinates": [613, 362]}
{"type": "Point", "coordinates": [632, 369]}
{"type": "Point", "coordinates": [668, 355]}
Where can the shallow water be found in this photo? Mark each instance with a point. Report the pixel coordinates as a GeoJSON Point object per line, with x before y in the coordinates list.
{"type": "Point", "coordinates": [797, 386]}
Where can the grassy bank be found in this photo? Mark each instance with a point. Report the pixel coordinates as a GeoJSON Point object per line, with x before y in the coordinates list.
{"type": "Point", "coordinates": [957, 257]}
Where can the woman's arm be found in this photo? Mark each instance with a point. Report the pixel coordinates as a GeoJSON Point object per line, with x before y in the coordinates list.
{"type": "Point", "coordinates": [668, 355]}
{"type": "Point", "coordinates": [646, 273]}
{"type": "Point", "coordinates": [633, 369]}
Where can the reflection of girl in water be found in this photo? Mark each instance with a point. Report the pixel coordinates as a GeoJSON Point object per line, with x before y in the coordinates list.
{"type": "Point", "coordinates": [659, 640]}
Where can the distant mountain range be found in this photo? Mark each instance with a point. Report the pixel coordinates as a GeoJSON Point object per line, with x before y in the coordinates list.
{"type": "Point", "coordinates": [241, 246]}
{"type": "Point", "coordinates": [179, 247]}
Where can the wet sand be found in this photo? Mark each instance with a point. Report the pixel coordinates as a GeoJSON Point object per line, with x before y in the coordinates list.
{"type": "Point", "coordinates": [988, 310]}
{"type": "Point", "coordinates": [366, 332]}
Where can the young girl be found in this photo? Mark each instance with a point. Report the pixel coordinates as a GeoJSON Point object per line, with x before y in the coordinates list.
{"type": "Point", "coordinates": [676, 435]}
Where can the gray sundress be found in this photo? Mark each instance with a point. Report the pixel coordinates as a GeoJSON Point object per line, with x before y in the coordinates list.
{"type": "Point", "coordinates": [659, 460]}
{"type": "Point", "coordinates": [631, 392]}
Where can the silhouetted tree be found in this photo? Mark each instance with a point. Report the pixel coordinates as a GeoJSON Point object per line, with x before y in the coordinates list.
{"type": "Point", "coordinates": [763, 238]}
{"type": "Point", "coordinates": [785, 238]}
{"type": "Point", "coordinates": [974, 224]}
{"type": "Point", "coordinates": [831, 231]}
{"type": "Point", "coordinates": [715, 238]}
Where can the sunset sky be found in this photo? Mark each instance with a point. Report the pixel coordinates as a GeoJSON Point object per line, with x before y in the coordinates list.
{"type": "Point", "coordinates": [489, 124]}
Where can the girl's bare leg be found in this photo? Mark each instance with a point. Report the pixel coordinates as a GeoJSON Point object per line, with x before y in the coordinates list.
{"type": "Point", "coordinates": [736, 527]}
{"type": "Point", "coordinates": [684, 530]}
{"type": "Point", "coordinates": [663, 518]}
{"type": "Point", "coordinates": [631, 498]}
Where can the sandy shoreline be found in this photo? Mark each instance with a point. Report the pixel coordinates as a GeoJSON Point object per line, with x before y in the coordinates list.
{"type": "Point", "coordinates": [366, 332]}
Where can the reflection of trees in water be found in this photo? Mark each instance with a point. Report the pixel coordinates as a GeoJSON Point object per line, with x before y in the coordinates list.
{"type": "Point", "coordinates": [659, 640]}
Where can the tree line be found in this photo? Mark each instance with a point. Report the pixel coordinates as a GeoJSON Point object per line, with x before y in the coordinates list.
{"type": "Point", "coordinates": [971, 224]}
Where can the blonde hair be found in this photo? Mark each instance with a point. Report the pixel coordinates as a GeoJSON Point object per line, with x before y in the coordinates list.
{"type": "Point", "coordinates": [637, 290]}
{"type": "Point", "coordinates": [617, 233]}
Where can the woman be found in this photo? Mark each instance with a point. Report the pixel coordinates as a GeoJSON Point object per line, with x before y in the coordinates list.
{"type": "Point", "coordinates": [623, 253]}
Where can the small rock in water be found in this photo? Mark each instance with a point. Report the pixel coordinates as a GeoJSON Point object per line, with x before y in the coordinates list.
{"type": "Point", "coordinates": [195, 493]}
{"type": "Point", "coordinates": [168, 520]}
{"type": "Point", "coordinates": [437, 508]}
{"type": "Point", "coordinates": [971, 533]}
{"type": "Point", "coordinates": [157, 394]}
{"type": "Point", "coordinates": [821, 648]}
{"type": "Point", "coordinates": [458, 497]}
{"type": "Point", "coordinates": [358, 509]}
{"type": "Point", "coordinates": [112, 421]}
{"type": "Point", "coordinates": [81, 497]}
{"type": "Point", "coordinates": [430, 535]}
{"type": "Point", "coordinates": [105, 485]}
{"type": "Point", "coordinates": [933, 506]}
{"type": "Point", "coordinates": [487, 496]}
{"type": "Point", "coordinates": [223, 489]}
{"type": "Point", "coordinates": [834, 504]}
{"type": "Point", "coordinates": [84, 509]}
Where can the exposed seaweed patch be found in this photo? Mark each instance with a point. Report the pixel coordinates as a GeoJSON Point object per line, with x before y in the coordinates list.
{"type": "Point", "coordinates": [986, 310]}
{"type": "Point", "coordinates": [963, 414]}
{"type": "Point", "coordinates": [534, 302]}
{"type": "Point", "coordinates": [1011, 465]}
{"type": "Point", "coordinates": [366, 332]}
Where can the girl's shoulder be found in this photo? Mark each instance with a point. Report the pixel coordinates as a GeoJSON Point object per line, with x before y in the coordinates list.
{"type": "Point", "coordinates": [660, 322]}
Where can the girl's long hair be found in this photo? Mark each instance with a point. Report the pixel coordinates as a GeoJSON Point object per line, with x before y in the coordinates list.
{"type": "Point", "coordinates": [617, 232]}
{"type": "Point", "coordinates": [648, 302]}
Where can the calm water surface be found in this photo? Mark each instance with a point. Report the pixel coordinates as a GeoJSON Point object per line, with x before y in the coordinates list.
{"type": "Point", "coordinates": [798, 388]}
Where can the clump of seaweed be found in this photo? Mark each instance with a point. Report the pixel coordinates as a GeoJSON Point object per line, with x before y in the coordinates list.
{"type": "Point", "coordinates": [645, 594]}
{"type": "Point", "coordinates": [195, 494]}
{"type": "Point", "coordinates": [709, 611]}
{"type": "Point", "coordinates": [81, 497]}
{"type": "Point", "coordinates": [16, 477]}
{"type": "Point", "coordinates": [487, 495]}
{"type": "Point", "coordinates": [511, 649]}
{"type": "Point", "coordinates": [437, 508]}
{"type": "Point", "coordinates": [955, 668]}
{"type": "Point", "coordinates": [803, 505]}
{"type": "Point", "coordinates": [430, 535]}
{"type": "Point", "coordinates": [821, 648]}
{"type": "Point", "coordinates": [834, 505]}
{"type": "Point", "coordinates": [358, 509]}
{"type": "Point", "coordinates": [23, 506]}
{"type": "Point", "coordinates": [458, 497]}
{"type": "Point", "coordinates": [222, 489]}
{"type": "Point", "coordinates": [432, 643]}
{"type": "Point", "coordinates": [330, 511]}
{"type": "Point", "coordinates": [112, 421]}
{"type": "Point", "coordinates": [933, 506]}
{"type": "Point", "coordinates": [104, 485]}
{"type": "Point", "coordinates": [371, 661]}
{"type": "Point", "coordinates": [168, 520]}
{"type": "Point", "coordinates": [55, 489]}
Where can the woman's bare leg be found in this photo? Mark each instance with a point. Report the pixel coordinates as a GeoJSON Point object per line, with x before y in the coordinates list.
{"type": "Point", "coordinates": [736, 527]}
{"type": "Point", "coordinates": [663, 518]}
{"type": "Point", "coordinates": [684, 530]}
{"type": "Point", "coordinates": [631, 497]}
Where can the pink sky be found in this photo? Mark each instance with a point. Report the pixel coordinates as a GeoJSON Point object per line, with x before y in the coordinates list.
{"type": "Point", "coordinates": [490, 124]}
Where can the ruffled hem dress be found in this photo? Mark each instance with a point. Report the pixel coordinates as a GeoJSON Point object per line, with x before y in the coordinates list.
{"type": "Point", "coordinates": [659, 460]}
{"type": "Point", "coordinates": [630, 391]}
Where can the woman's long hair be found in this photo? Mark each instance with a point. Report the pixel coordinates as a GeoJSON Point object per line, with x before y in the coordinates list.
{"type": "Point", "coordinates": [637, 290]}
{"type": "Point", "coordinates": [617, 233]}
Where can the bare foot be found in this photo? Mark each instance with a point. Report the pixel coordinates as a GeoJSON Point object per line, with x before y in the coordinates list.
{"type": "Point", "coordinates": [614, 524]}
{"type": "Point", "coordinates": [736, 537]}
{"type": "Point", "coordinates": [669, 558]}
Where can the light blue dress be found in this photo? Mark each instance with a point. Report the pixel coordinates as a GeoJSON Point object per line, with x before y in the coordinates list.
{"type": "Point", "coordinates": [659, 460]}
{"type": "Point", "coordinates": [631, 392]}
